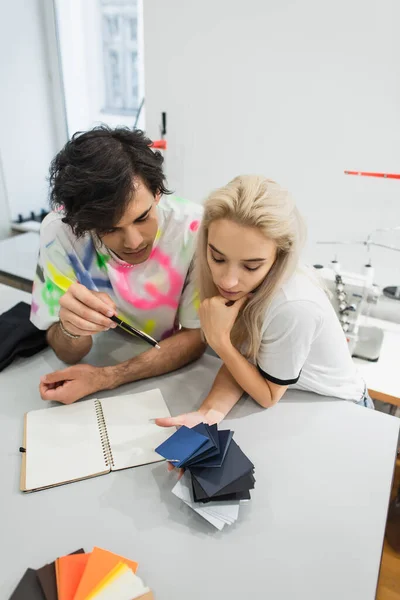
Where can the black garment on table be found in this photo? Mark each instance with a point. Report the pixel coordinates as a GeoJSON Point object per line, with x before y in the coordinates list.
{"type": "Point", "coordinates": [18, 336]}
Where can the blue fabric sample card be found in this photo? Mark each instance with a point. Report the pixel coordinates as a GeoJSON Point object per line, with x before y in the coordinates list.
{"type": "Point", "coordinates": [225, 436]}
{"type": "Point", "coordinates": [235, 466]}
{"type": "Point", "coordinates": [213, 430]}
{"type": "Point", "coordinates": [182, 445]}
{"type": "Point", "coordinates": [210, 448]}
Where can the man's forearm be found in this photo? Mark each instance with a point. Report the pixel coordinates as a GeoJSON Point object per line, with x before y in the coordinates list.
{"type": "Point", "coordinates": [69, 350]}
{"type": "Point", "coordinates": [223, 396]}
{"type": "Point", "coordinates": [175, 352]}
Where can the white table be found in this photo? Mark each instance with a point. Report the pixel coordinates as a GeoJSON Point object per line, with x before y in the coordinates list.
{"type": "Point", "coordinates": [26, 226]}
{"type": "Point", "coordinates": [313, 529]}
{"type": "Point", "coordinates": [18, 256]}
{"type": "Point", "coordinates": [383, 377]}
{"type": "Point", "coordinates": [10, 296]}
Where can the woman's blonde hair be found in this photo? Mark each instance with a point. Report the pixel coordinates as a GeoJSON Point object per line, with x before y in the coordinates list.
{"type": "Point", "coordinates": [253, 201]}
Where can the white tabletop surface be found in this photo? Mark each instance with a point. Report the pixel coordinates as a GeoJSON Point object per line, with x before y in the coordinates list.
{"type": "Point", "coordinates": [18, 255]}
{"type": "Point", "coordinates": [383, 376]}
{"type": "Point", "coordinates": [10, 296]}
{"type": "Point", "coordinates": [313, 529]}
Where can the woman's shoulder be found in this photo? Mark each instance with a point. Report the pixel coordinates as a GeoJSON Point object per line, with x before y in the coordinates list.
{"type": "Point", "coordinates": [301, 294]}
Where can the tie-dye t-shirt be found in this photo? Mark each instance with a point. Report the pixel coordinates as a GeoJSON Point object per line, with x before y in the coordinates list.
{"type": "Point", "coordinates": [157, 296]}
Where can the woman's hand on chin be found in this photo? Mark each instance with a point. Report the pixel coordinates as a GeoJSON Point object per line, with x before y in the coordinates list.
{"type": "Point", "coordinates": [217, 317]}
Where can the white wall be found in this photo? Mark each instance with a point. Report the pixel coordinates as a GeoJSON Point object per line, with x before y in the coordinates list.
{"type": "Point", "coordinates": [27, 132]}
{"type": "Point", "coordinates": [4, 208]}
{"type": "Point", "coordinates": [296, 90]}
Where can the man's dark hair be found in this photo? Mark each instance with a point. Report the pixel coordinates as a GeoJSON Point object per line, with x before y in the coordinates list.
{"type": "Point", "coordinates": [92, 177]}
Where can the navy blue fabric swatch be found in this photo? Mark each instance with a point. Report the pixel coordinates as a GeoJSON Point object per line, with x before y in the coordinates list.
{"type": "Point", "coordinates": [225, 437]}
{"type": "Point", "coordinates": [211, 448]}
{"type": "Point", "coordinates": [181, 445]}
{"type": "Point", "coordinates": [235, 465]}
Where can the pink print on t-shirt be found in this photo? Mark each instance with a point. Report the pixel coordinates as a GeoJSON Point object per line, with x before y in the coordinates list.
{"type": "Point", "coordinates": [158, 298]}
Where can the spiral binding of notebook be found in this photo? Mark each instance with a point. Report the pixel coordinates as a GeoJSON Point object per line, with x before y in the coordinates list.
{"type": "Point", "coordinates": [105, 442]}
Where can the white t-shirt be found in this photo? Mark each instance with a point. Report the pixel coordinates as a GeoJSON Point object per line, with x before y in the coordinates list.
{"type": "Point", "coordinates": [303, 344]}
{"type": "Point", "coordinates": [156, 296]}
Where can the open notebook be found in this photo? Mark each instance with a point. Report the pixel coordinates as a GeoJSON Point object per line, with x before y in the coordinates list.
{"type": "Point", "coordinates": [90, 438]}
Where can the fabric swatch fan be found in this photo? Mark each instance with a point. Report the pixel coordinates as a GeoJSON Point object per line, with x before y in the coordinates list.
{"type": "Point", "coordinates": [96, 575]}
{"type": "Point", "coordinates": [218, 476]}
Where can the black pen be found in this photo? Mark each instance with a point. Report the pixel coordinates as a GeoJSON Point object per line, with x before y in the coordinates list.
{"type": "Point", "coordinates": [135, 332]}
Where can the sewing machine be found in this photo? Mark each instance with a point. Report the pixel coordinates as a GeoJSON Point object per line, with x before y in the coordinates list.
{"type": "Point", "coordinates": [351, 295]}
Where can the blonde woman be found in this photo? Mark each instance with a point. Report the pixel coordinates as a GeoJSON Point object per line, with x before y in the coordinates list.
{"type": "Point", "coordinates": [264, 314]}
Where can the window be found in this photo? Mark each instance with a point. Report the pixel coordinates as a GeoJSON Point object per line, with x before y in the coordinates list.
{"type": "Point", "coordinates": [120, 52]}
{"type": "Point", "coordinates": [100, 46]}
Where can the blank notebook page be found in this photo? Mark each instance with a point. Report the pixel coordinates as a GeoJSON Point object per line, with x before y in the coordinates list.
{"type": "Point", "coordinates": [63, 444]}
{"type": "Point", "coordinates": [132, 436]}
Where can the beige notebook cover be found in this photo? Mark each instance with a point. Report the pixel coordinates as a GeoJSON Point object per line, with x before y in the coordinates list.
{"type": "Point", "coordinates": [91, 438]}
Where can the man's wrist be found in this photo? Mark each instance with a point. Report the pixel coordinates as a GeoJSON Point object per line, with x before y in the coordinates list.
{"type": "Point", "coordinates": [57, 332]}
{"type": "Point", "coordinates": [110, 377]}
{"type": "Point", "coordinates": [120, 374]}
{"type": "Point", "coordinates": [71, 336]}
{"type": "Point", "coordinates": [68, 349]}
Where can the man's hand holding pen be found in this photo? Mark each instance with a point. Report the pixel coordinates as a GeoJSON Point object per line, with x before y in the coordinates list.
{"type": "Point", "coordinates": [85, 312]}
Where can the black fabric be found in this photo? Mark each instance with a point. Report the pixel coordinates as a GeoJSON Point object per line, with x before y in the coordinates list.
{"type": "Point", "coordinates": [198, 495]}
{"type": "Point", "coordinates": [18, 336]}
{"type": "Point", "coordinates": [276, 380]}
{"type": "Point", "coordinates": [47, 578]}
{"type": "Point", "coordinates": [215, 481]}
{"type": "Point", "coordinates": [28, 588]}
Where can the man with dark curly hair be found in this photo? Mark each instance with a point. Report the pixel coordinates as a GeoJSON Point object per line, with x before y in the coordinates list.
{"type": "Point", "coordinates": [117, 243]}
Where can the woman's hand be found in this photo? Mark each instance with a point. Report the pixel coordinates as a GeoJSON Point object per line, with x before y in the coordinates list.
{"type": "Point", "coordinates": [211, 417]}
{"type": "Point", "coordinates": [217, 319]}
{"type": "Point", "coordinates": [191, 419]}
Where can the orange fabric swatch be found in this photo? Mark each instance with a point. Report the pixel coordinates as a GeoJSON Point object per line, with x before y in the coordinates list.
{"type": "Point", "coordinates": [100, 563]}
{"type": "Point", "coordinates": [69, 571]}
